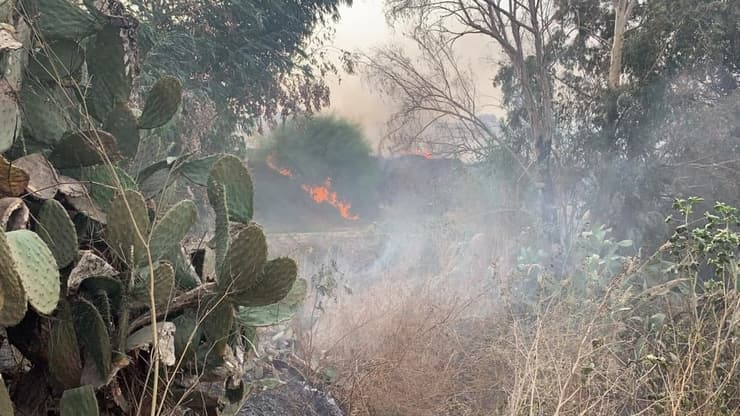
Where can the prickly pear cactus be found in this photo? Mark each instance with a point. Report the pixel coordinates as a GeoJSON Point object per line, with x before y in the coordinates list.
{"type": "Point", "coordinates": [121, 123]}
{"type": "Point", "coordinates": [93, 335]}
{"type": "Point", "coordinates": [231, 173]}
{"type": "Point", "coordinates": [85, 148]}
{"type": "Point", "coordinates": [80, 401]}
{"type": "Point", "coordinates": [102, 184]}
{"type": "Point", "coordinates": [218, 324]}
{"type": "Point", "coordinates": [13, 181]}
{"type": "Point", "coordinates": [13, 300]}
{"type": "Point", "coordinates": [246, 257]}
{"type": "Point", "coordinates": [65, 364]}
{"type": "Point", "coordinates": [172, 228]}
{"type": "Point", "coordinates": [36, 268]}
{"type": "Point", "coordinates": [162, 103]}
{"type": "Point", "coordinates": [164, 286]}
{"type": "Point", "coordinates": [61, 19]}
{"type": "Point", "coordinates": [273, 314]}
{"type": "Point", "coordinates": [111, 82]}
{"type": "Point", "coordinates": [58, 232]}
{"type": "Point", "coordinates": [128, 222]}
{"type": "Point", "coordinates": [9, 113]}
{"type": "Point", "coordinates": [274, 283]}
{"type": "Point", "coordinates": [60, 59]}
{"type": "Point", "coordinates": [6, 406]}
{"type": "Point", "coordinates": [220, 241]}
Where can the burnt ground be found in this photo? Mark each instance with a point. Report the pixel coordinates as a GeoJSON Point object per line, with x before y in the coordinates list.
{"type": "Point", "coordinates": [294, 398]}
{"type": "Point", "coordinates": [291, 399]}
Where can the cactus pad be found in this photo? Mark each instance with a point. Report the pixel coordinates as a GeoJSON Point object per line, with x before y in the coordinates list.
{"type": "Point", "coordinates": [6, 405]}
{"type": "Point", "coordinates": [93, 336]}
{"type": "Point", "coordinates": [185, 274]}
{"type": "Point", "coordinates": [58, 232]}
{"type": "Point", "coordinates": [230, 172]}
{"type": "Point", "coordinates": [58, 60]}
{"type": "Point", "coordinates": [273, 314]}
{"type": "Point", "coordinates": [111, 287]}
{"type": "Point", "coordinates": [126, 228]}
{"type": "Point", "coordinates": [13, 301]}
{"type": "Point", "coordinates": [9, 122]}
{"type": "Point", "coordinates": [45, 112]}
{"type": "Point", "coordinates": [13, 180]}
{"type": "Point", "coordinates": [37, 269]}
{"type": "Point", "coordinates": [111, 84]}
{"type": "Point", "coordinates": [162, 103]}
{"type": "Point", "coordinates": [102, 184]}
{"type": "Point", "coordinates": [121, 123]}
{"type": "Point", "coordinates": [80, 401]}
{"type": "Point", "coordinates": [44, 182]}
{"type": "Point", "coordinates": [86, 148]}
{"type": "Point", "coordinates": [65, 364]}
{"type": "Point", "coordinates": [63, 19]}
{"type": "Point", "coordinates": [244, 262]}
{"type": "Point", "coordinates": [174, 225]}
{"type": "Point", "coordinates": [164, 286]}
{"type": "Point", "coordinates": [220, 241]}
{"type": "Point", "coordinates": [275, 282]}
{"type": "Point", "coordinates": [14, 214]}
{"type": "Point", "coordinates": [88, 267]}
{"type": "Point", "coordinates": [218, 323]}
{"type": "Point", "coordinates": [187, 335]}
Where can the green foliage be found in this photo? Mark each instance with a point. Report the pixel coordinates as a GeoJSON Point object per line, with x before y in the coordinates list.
{"type": "Point", "coordinates": [255, 67]}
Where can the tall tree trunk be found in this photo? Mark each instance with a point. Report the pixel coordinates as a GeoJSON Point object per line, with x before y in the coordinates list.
{"type": "Point", "coordinates": [622, 11]}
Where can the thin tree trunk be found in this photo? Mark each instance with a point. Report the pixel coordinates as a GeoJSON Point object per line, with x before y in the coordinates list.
{"type": "Point", "coordinates": [622, 11]}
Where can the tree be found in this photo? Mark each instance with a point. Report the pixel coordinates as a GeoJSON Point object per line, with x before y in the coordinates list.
{"type": "Point", "coordinates": [523, 31]}
{"type": "Point", "coordinates": [256, 60]}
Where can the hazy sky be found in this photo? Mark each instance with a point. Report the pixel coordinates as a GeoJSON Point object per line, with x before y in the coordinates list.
{"type": "Point", "coordinates": [363, 27]}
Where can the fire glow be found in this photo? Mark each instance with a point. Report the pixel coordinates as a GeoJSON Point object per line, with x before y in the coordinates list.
{"type": "Point", "coordinates": [323, 194]}
{"type": "Point", "coordinates": [270, 160]}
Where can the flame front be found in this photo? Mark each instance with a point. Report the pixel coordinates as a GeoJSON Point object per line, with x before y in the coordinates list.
{"type": "Point", "coordinates": [323, 194]}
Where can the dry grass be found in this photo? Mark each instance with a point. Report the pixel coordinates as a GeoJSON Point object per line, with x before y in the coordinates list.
{"type": "Point", "coordinates": [443, 347]}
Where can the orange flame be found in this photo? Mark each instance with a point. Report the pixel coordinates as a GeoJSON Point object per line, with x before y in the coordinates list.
{"type": "Point", "coordinates": [270, 160]}
{"type": "Point", "coordinates": [323, 193]}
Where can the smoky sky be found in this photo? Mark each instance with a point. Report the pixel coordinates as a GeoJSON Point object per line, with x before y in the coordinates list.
{"type": "Point", "coordinates": [362, 27]}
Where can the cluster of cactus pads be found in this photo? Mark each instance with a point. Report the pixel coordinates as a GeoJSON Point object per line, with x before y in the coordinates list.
{"type": "Point", "coordinates": [88, 263]}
